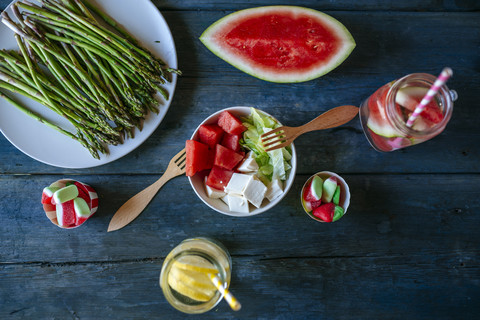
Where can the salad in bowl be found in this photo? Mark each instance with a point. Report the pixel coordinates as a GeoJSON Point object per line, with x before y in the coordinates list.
{"type": "Point", "coordinates": [228, 166]}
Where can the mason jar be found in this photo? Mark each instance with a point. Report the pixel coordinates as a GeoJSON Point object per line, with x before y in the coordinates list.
{"type": "Point", "coordinates": [385, 113]}
{"type": "Point", "coordinates": [184, 276]}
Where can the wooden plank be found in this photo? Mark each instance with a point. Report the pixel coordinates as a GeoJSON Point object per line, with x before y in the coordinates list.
{"type": "Point", "coordinates": [436, 286]}
{"type": "Point", "coordinates": [379, 58]}
{"type": "Point", "coordinates": [389, 215]}
{"type": "Point", "coordinates": [367, 5]}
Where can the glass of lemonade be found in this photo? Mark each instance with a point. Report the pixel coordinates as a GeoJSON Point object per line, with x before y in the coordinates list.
{"type": "Point", "coordinates": [184, 278]}
{"type": "Point", "coordinates": [384, 114]}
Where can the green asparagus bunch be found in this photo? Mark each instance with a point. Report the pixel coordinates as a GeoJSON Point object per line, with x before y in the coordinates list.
{"type": "Point", "coordinates": [100, 79]}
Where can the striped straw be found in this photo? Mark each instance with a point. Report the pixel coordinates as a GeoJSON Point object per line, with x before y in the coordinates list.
{"type": "Point", "coordinates": [442, 78]}
{"type": "Point", "coordinates": [232, 301]}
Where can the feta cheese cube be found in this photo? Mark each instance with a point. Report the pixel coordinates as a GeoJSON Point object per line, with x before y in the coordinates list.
{"type": "Point", "coordinates": [274, 189]}
{"type": "Point", "coordinates": [249, 164]}
{"type": "Point", "coordinates": [212, 192]}
{"type": "Point", "coordinates": [237, 183]}
{"type": "Point", "coordinates": [237, 203]}
{"type": "Point", "coordinates": [255, 192]}
{"type": "Point", "coordinates": [225, 199]}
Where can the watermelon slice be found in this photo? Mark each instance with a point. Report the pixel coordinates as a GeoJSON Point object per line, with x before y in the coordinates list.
{"type": "Point", "coordinates": [280, 43]}
{"type": "Point", "coordinates": [377, 115]}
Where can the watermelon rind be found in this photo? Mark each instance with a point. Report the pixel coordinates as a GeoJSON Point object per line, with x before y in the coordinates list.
{"type": "Point", "coordinates": [348, 44]}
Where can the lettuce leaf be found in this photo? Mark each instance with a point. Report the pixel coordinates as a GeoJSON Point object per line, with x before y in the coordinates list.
{"type": "Point", "coordinates": [273, 164]}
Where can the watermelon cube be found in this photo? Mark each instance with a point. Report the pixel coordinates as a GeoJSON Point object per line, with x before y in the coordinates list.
{"type": "Point", "coordinates": [226, 158]}
{"type": "Point", "coordinates": [219, 178]}
{"type": "Point", "coordinates": [230, 124]}
{"type": "Point", "coordinates": [210, 134]}
{"type": "Point", "coordinates": [231, 141]}
{"type": "Point", "coordinates": [199, 157]}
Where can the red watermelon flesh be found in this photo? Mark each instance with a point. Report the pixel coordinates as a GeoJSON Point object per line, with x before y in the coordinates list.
{"type": "Point", "coordinates": [280, 43]}
{"type": "Point", "coordinates": [286, 33]}
{"type": "Point", "coordinates": [226, 158]}
{"type": "Point", "coordinates": [410, 98]}
{"type": "Point", "coordinates": [210, 134]}
{"type": "Point", "coordinates": [198, 157]}
{"type": "Point", "coordinates": [219, 177]}
{"type": "Point", "coordinates": [231, 141]}
{"type": "Point", "coordinates": [230, 124]}
{"type": "Point", "coordinates": [379, 141]}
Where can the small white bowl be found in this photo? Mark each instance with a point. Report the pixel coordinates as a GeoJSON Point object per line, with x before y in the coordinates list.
{"type": "Point", "coordinates": [344, 193]}
{"type": "Point", "coordinates": [218, 205]}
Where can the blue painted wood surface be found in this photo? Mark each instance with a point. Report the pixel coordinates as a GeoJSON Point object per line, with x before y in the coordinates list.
{"type": "Point", "coordinates": [408, 247]}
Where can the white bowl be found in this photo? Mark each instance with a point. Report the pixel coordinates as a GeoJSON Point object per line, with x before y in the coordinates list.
{"type": "Point", "coordinates": [218, 205]}
{"type": "Point", "coordinates": [344, 193]}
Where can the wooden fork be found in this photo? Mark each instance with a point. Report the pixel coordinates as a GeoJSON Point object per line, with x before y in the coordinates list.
{"type": "Point", "coordinates": [133, 207]}
{"type": "Point", "coordinates": [283, 136]}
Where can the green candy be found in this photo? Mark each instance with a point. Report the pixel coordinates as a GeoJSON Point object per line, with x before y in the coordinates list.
{"type": "Point", "coordinates": [65, 194]}
{"type": "Point", "coordinates": [81, 207]}
{"type": "Point", "coordinates": [336, 196]}
{"type": "Point", "coordinates": [329, 187]}
{"type": "Point", "coordinates": [338, 213]}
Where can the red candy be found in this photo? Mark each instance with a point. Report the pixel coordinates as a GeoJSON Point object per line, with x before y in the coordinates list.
{"type": "Point", "coordinates": [325, 212]}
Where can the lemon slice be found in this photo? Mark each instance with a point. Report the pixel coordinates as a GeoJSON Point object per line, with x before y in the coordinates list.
{"type": "Point", "coordinates": [193, 279]}
{"type": "Point", "coordinates": [191, 284]}
{"type": "Point", "coordinates": [195, 263]}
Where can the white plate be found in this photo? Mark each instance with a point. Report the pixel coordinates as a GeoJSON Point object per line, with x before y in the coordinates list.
{"type": "Point", "coordinates": [142, 19]}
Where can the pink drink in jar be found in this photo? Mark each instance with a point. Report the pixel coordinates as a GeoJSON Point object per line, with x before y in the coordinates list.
{"type": "Point", "coordinates": [384, 114]}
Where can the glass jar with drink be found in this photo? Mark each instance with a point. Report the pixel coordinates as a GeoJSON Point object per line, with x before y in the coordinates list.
{"type": "Point", "coordinates": [386, 113]}
{"type": "Point", "coordinates": [187, 272]}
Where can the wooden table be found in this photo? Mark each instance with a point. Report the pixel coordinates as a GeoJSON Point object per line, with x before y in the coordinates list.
{"type": "Point", "coordinates": [408, 247]}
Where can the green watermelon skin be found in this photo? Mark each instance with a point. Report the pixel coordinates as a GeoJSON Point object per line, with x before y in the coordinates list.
{"type": "Point", "coordinates": [284, 44]}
